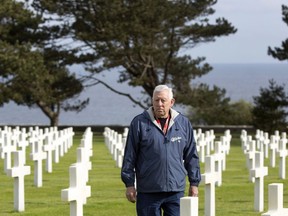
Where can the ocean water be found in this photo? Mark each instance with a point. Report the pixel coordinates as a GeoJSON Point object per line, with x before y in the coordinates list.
{"type": "Point", "coordinates": [241, 81]}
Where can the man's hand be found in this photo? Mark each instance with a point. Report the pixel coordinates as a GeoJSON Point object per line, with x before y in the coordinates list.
{"type": "Point", "coordinates": [131, 194]}
{"type": "Point", "coordinates": [193, 191]}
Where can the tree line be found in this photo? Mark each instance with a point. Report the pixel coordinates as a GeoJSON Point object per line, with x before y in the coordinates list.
{"type": "Point", "coordinates": [41, 40]}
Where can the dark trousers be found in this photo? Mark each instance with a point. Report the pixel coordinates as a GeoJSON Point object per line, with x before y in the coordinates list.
{"type": "Point", "coordinates": [152, 204]}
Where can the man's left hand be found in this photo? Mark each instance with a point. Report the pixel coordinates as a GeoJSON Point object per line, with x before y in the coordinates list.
{"type": "Point", "coordinates": [193, 191]}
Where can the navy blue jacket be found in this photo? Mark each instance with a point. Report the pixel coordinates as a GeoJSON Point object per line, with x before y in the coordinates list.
{"type": "Point", "coordinates": [160, 162]}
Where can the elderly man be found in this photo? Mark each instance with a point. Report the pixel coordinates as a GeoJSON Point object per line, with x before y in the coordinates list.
{"type": "Point", "coordinates": [160, 151]}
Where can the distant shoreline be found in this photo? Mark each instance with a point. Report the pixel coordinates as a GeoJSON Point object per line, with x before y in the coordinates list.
{"type": "Point", "coordinates": [120, 128]}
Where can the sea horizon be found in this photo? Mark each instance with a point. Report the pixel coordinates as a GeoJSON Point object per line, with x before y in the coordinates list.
{"type": "Point", "coordinates": [241, 81]}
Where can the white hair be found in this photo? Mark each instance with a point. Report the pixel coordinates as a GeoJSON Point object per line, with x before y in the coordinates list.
{"type": "Point", "coordinates": [161, 88]}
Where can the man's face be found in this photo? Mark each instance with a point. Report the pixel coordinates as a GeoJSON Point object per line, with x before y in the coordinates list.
{"type": "Point", "coordinates": [162, 103]}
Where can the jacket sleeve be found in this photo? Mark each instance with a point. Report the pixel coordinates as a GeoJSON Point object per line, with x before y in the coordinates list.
{"type": "Point", "coordinates": [130, 156]}
{"type": "Point", "coordinates": [191, 158]}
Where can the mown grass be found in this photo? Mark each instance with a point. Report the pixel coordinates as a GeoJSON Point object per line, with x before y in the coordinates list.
{"type": "Point", "coordinates": [234, 197]}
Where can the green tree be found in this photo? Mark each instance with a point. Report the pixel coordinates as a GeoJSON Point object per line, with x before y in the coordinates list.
{"type": "Point", "coordinates": [276, 112]}
{"type": "Point", "coordinates": [214, 108]}
{"type": "Point", "coordinates": [143, 40]}
{"type": "Point", "coordinates": [281, 53]}
{"type": "Point", "coordinates": [269, 112]}
{"type": "Point", "coordinates": [212, 105]}
{"type": "Point", "coordinates": [241, 113]}
{"type": "Point", "coordinates": [32, 70]}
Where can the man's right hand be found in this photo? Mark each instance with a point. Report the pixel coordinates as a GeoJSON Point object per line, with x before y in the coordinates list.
{"type": "Point", "coordinates": [131, 194]}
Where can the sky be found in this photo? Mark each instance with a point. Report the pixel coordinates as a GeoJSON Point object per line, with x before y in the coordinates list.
{"type": "Point", "coordinates": [259, 25]}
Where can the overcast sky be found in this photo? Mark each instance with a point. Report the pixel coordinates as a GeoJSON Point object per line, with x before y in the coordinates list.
{"type": "Point", "coordinates": [259, 24]}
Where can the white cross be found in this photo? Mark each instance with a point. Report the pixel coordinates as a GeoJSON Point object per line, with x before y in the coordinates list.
{"type": "Point", "coordinates": [88, 137]}
{"type": "Point", "coordinates": [273, 148]}
{"type": "Point", "coordinates": [23, 142]}
{"type": "Point", "coordinates": [18, 171]}
{"type": "Point", "coordinates": [246, 145]}
{"type": "Point", "coordinates": [201, 143]}
{"type": "Point", "coordinates": [56, 143]}
{"type": "Point", "coordinates": [251, 158]}
{"type": "Point", "coordinates": [282, 155]}
{"type": "Point", "coordinates": [266, 142]}
{"type": "Point", "coordinates": [49, 148]}
{"type": "Point", "coordinates": [208, 143]}
{"type": "Point", "coordinates": [243, 138]}
{"type": "Point", "coordinates": [83, 158]}
{"type": "Point", "coordinates": [257, 137]}
{"type": "Point", "coordinates": [78, 191]}
{"type": "Point", "coordinates": [258, 173]}
{"type": "Point", "coordinates": [277, 136]}
{"type": "Point", "coordinates": [71, 133]}
{"type": "Point", "coordinates": [220, 158]}
{"type": "Point", "coordinates": [209, 178]}
{"type": "Point", "coordinates": [38, 155]}
{"type": "Point", "coordinates": [275, 201]}
{"type": "Point", "coordinates": [212, 139]}
{"type": "Point", "coordinates": [61, 143]}
{"type": "Point", "coordinates": [116, 145]}
{"type": "Point", "coordinates": [189, 206]}
{"type": "Point", "coordinates": [227, 140]}
{"type": "Point", "coordinates": [7, 148]}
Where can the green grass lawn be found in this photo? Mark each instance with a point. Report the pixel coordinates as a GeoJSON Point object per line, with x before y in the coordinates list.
{"type": "Point", "coordinates": [234, 197]}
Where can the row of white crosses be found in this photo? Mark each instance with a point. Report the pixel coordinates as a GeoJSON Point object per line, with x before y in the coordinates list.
{"type": "Point", "coordinates": [189, 205]}
{"type": "Point", "coordinates": [206, 143]}
{"type": "Point", "coordinates": [214, 154]}
{"type": "Point", "coordinates": [275, 145]}
{"type": "Point", "coordinates": [257, 173]}
{"type": "Point", "coordinates": [14, 141]}
{"type": "Point", "coordinates": [78, 190]}
{"type": "Point", "coordinates": [256, 151]}
{"type": "Point", "coordinates": [115, 143]}
{"type": "Point", "coordinates": [255, 165]}
{"type": "Point", "coordinates": [46, 143]}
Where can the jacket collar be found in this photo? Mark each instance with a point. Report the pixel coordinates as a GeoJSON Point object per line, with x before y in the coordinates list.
{"type": "Point", "coordinates": [173, 114]}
